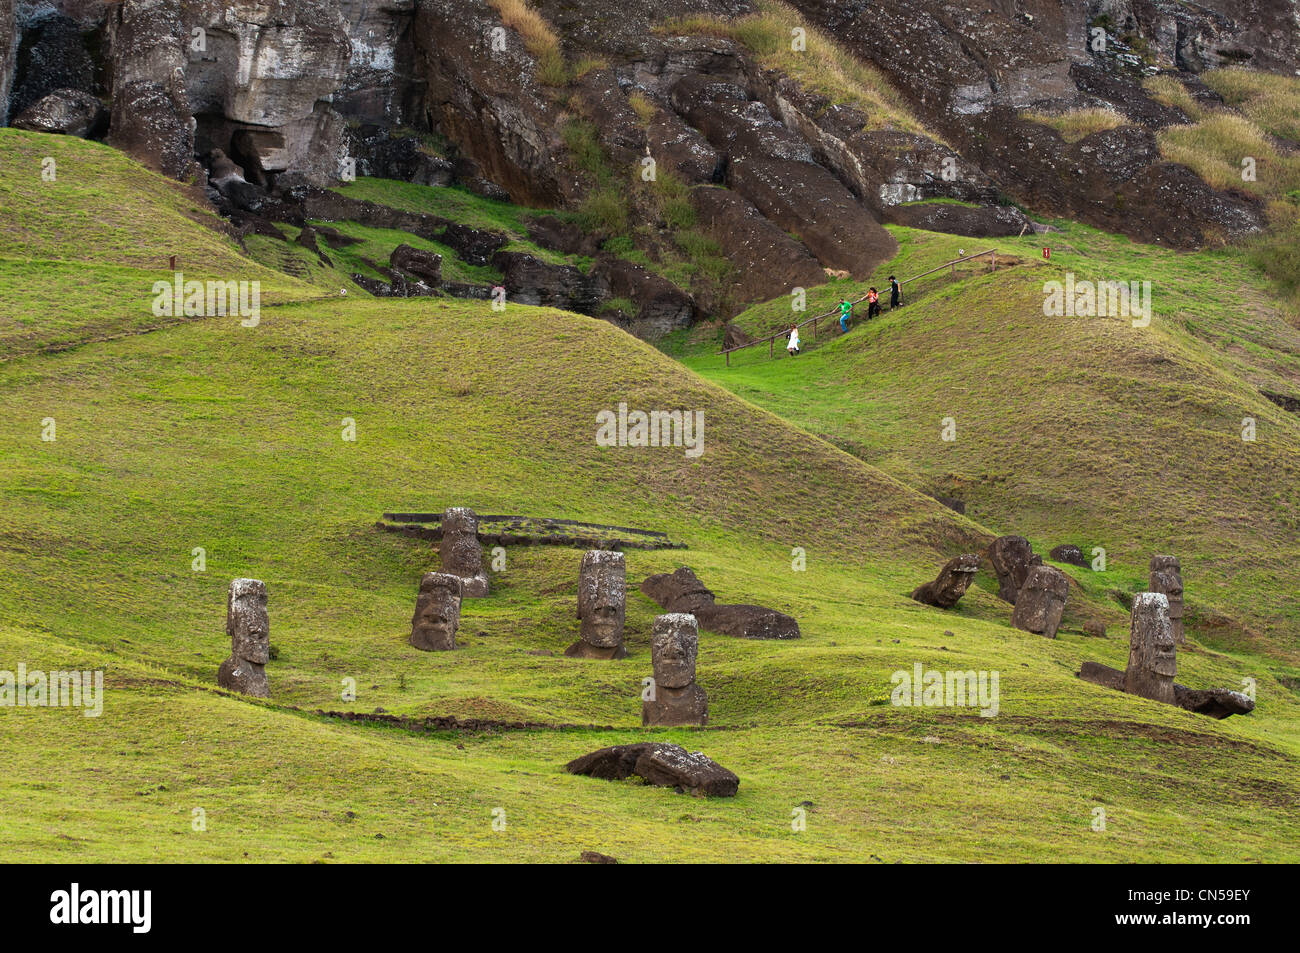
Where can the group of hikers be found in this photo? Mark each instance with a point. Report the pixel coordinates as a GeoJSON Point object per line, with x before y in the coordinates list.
{"type": "Point", "coordinates": [846, 311]}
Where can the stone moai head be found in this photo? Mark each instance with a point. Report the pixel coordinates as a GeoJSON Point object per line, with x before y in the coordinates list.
{"type": "Point", "coordinates": [674, 644]}
{"type": "Point", "coordinates": [247, 621]}
{"type": "Point", "coordinates": [1152, 658]}
{"type": "Point", "coordinates": [602, 597]}
{"type": "Point", "coordinates": [1167, 577]}
{"type": "Point", "coordinates": [462, 553]}
{"type": "Point", "coordinates": [437, 612]}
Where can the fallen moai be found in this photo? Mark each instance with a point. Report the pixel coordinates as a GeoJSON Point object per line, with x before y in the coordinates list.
{"type": "Point", "coordinates": [437, 612]}
{"type": "Point", "coordinates": [1167, 577]}
{"type": "Point", "coordinates": [951, 584]}
{"type": "Point", "coordinates": [682, 591]}
{"type": "Point", "coordinates": [674, 698]}
{"type": "Point", "coordinates": [249, 628]}
{"type": "Point", "coordinates": [1152, 665]}
{"type": "Point", "coordinates": [602, 606]}
{"type": "Point", "coordinates": [662, 764]}
{"type": "Point", "coordinates": [461, 551]}
{"type": "Point", "coordinates": [1012, 558]}
{"type": "Point", "coordinates": [1041, 601]}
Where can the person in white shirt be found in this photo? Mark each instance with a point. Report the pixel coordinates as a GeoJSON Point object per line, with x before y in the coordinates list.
{"type": "Point", "coordinates": [793, 346]}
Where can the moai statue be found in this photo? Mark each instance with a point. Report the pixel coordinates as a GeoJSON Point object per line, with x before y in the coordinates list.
{"type": "Point", "coordinates": [1041, 601]}
{"type": "Point", "coordinates": [249, 628]}
{"type": "Point", "coordinates": [462, 553]}
{"type": "Point", "coordinates": [1167, 577]}
{"type": "Point", "coordinates": [675, 698]}
{"type": "Point", "coordinates": [602, 606]}
{"type": "Point", "coordinates": [1012, 558]}
{"type": "Point", "coordinates": [437, 612]}
{"type": "Point", "coordinates": [1152, 662]}
{"type": "Point", "coordinates": [953, 581]}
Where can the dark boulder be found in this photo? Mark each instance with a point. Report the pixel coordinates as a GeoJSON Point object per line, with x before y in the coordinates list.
{"type": "Point", "coordinates": [1068, 553]}
{"type": "Point", "coordinates": [68, 112]}
{"type": "Point", "coordinates": [986, 221]}
{"type": "Point", "coordinates": [661, 764]}
{"type": "Point", "coordinates": [529, 280]}
{"type": "Point", "coordinates": [425, 266]}
{"type": "Point", "coordinates": [1215, 702]}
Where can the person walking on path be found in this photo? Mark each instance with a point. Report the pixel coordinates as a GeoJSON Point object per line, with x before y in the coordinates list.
{"type": "Point", "coordinates": [895, 293]}
{"type": "Point", "coordinates": [873, 303]}
{"type": "Point", "coordinates": [793, 346]}
{"type": "Point", "coordinates": [846, 312]}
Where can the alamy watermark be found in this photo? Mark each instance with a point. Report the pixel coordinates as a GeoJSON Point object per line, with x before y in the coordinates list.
{"type": "Point", "coordinates": [655, 428]}
{"type": "Point", "coordinates": [37, 689]}
{"type": "Point", "coordinates": [1098, 299]}
{"type": "Point", "coordinates": [935, 689]}
{"type": "Point", "coordinates": [208, 299]}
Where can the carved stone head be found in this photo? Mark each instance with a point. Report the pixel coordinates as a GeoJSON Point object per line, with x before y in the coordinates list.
{"type": "Point", "coordinates": [247, 621]}
{"type": "Point", "coordinates": [602, 599]}
{"type": "Point", "coordinates": [437, 612]}
{"type": "Point", "coordinates": [674, 644]}
{"type": "Point", "coordinates": [462, 553]}
{"type": "Point", "coordinates": [1152, 659]}
{"type": "Point", "coordinates": [1166, 577]}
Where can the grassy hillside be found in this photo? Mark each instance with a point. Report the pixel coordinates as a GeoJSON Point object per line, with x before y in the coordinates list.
{"type": "Point", "coordinates": [84, 234]}
{"type": "Point", "coordinates": [1076, 429]}
{"type": "Point", "coordinates": [208, 434]}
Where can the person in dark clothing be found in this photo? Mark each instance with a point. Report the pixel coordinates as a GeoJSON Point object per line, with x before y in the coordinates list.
{"type": "Point", "coordinates": [895, 293]}
{"type": "Point", "coordinates": [873, 303]}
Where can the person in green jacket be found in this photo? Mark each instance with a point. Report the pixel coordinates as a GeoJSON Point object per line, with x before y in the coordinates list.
{"type": "Point", "coordinates": [846, 312]}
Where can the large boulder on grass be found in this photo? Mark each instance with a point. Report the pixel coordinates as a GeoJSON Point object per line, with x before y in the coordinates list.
{"type": "Point", "coordinates": [661, 764]}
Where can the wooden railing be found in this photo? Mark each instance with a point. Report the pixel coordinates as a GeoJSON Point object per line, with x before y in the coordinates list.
{"type": "Point", "coordinates": [785, 333]}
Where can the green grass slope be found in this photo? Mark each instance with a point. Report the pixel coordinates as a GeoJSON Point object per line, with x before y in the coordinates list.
{"type": "Point", "coordinates": [208, 434]}
{"type": "Point", "coordinates": [84, 234]}
{"type": "Point", "coordinates": [1077, 429]}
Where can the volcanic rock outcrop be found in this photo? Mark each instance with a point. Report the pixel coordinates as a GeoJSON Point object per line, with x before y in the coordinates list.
{"type": "Point", "coordinates": [682, 591]}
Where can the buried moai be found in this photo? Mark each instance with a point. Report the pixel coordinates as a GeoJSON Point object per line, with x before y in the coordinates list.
{"type": "Point", "coordinates": [1012, 558]}
{"type": "Point", "coordinates": [1152, 662]}
{"type": "Point", "coordinates": [462, 553]}
{"type": "Point", "coordinates": [602, 606]}
{"type": "Point", "coordinates": [673, 697]}
{"type": "Point", "coordinates": [1152, 665]}
{"type": "Point", "coordinates": [249, 628]}
{"type": "Point", "coordinates": [1167, 577]}
{"type": "Point", "coordinates": [682, 591]}
{"type": "Point", "coordinates": [437, 613]}
{"type": "Point", "coordinates": [951, 584]}
{"type": "Point", "coordinates": [1041, 601]}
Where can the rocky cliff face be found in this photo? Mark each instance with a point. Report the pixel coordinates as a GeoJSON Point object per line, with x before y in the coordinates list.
{"type": "Point", "coordinates": [8, 53]}
{"type": "Point", "coordinates": [787, 181]}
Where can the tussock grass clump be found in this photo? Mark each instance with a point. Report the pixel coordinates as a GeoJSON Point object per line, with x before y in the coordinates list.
{"type": "Point", "coordinates": [1168, 91]}
{"type": "Point", "coordinates": [1215, 147]}
{"type": "Point", "coordinates": [1077, 124]}
{"type": "Point", "coordinates": [1271, 100]}
{"type": "Point", "coordinates": [822, 67]}
{"type": "Point", "coordinates": [539, 39]}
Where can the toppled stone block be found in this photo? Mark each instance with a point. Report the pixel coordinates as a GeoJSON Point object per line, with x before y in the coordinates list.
{"type": "Point", "coordinates": [665, 765]}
